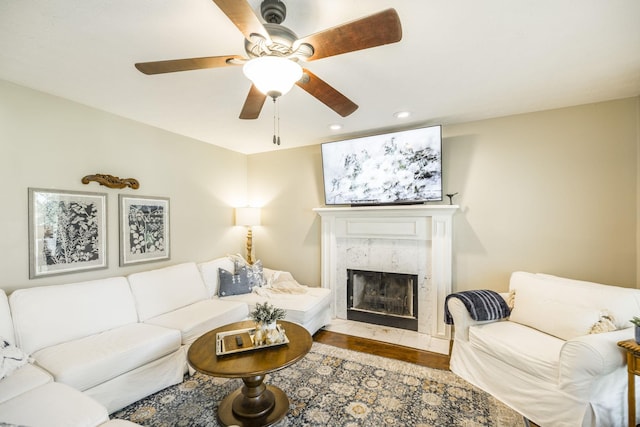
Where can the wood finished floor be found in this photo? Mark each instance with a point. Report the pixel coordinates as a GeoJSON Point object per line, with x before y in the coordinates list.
{"type": "Point", "coordinates": [392, 351]}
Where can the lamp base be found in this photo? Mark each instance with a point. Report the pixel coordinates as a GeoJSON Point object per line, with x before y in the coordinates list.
{"type": "Point", "coordinates": [249, 246]}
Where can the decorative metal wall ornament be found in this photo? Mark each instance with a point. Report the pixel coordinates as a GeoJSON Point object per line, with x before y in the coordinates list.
{"type": "Point", "coordinates": [112, 181]}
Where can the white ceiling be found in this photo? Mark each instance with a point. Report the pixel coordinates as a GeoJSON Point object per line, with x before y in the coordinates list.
{"type": "Point", "coordinates": [458, 61]}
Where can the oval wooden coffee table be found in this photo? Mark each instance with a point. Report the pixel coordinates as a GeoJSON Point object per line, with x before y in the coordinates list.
{"type": "Point", "coordinates": [254, 404]}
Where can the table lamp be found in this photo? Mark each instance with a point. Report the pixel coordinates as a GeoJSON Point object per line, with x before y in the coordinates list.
{"type": "Point", "coordinates": [248, 216]}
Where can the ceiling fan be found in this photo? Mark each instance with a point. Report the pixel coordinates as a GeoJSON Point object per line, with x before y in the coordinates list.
{"type": "Point", "coordinates": [272, 44]}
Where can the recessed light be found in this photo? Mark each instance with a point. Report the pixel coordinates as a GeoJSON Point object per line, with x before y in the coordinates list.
{"type": "Point", "coordinates": [402, 114]}
{"type": "Point", "coordinates": [335, 126]}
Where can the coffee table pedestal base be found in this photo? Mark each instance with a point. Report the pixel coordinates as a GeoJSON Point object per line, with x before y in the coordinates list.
{"type": "Point", "coordinates": [228, 417]}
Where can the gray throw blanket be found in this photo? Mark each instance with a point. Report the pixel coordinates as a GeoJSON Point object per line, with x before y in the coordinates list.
{"type": "Point", "coordinates": [481, 304]}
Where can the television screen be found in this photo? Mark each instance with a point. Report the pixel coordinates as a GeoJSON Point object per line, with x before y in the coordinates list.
{"type": "Point", "coordinates": [393, 168]}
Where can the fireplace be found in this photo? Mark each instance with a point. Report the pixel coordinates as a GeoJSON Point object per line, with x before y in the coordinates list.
{"type": "Point", "coordinates": [382, 298]}
{"type": "Point", "coordinates": [414, 240]}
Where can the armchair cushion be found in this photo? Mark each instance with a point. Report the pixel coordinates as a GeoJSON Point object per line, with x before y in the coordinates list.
{"type": "Point", "coordinates": [520, 346]}
{"type": "Point", "coordinates": [540, 304]}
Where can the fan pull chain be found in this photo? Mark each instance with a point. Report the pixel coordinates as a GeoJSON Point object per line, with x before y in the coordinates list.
{"type": "Point", "coordinates": [276, 122]}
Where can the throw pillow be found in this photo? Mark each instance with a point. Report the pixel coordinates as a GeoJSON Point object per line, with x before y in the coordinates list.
{"type": "Point", "coordinates": [605, 324]}
{"type": "Point", "coordinates": [11, 358]}
{"type": "Point", "coordinates": [234, 284]}
{"type": "Point", "coordinates": [256, 274]}
{"type": "Point", "coordinates": [255, 270]}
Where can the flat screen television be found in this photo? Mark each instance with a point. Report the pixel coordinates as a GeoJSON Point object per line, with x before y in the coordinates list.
{"type": "Point", "coordinates": [403, 167]}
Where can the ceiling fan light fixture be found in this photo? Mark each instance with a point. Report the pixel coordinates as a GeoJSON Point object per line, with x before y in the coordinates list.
{"type": "Point", "coordinates": [273, 75]}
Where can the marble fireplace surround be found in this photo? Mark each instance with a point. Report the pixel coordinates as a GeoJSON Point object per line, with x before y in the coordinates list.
{"type": "Point", "coordinates": [408, 239]}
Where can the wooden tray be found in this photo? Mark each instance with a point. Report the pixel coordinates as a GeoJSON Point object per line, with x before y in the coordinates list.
{"type": "Point", "coordinates": [226, 341]}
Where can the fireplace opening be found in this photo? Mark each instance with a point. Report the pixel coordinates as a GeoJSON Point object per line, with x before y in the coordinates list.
{"type": "Point", "coordinates": [389, 299]}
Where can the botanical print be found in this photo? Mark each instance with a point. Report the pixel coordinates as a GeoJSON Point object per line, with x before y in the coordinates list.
{"type": "Point", "coordinates": [144, 229]}
{"type": "Point", "coordinates": [67, 231]}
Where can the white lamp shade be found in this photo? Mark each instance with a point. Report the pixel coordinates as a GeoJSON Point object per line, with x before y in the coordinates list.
{"type": "Point", "coordinates": [248, 216]}
{"type": "Point", "coordinates": [273, 75]}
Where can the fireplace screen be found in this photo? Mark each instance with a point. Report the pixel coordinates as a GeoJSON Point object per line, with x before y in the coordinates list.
{"type": "Point", "coordinates": [383, 298]}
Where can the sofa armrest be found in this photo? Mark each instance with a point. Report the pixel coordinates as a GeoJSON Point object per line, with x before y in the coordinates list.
{"type": "Point", "coordinates": [462, 321]}
{"type": "Point", "coordinates": [588, 357]}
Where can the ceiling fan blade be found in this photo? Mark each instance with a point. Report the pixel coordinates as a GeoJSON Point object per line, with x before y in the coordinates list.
{"type": "Point", "coordinates": [253, 104]}
{"type": "Point", "coordinates": [242, 15]}
{"type": "Point", "coordinates": [374, 30]}
{"type": "Point", "coordinates": [326, 94]}
{"type": "Point", "coordinates": [174, 65]}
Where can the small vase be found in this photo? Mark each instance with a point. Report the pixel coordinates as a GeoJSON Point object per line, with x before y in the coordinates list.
{"type": "Point", "coordinates": [271, 326]}
{"type": "Point", "coordinates": [637, 330]}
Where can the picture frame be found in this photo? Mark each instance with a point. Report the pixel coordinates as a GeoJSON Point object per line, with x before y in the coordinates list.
{"type": "Point", "coordinates": [67, 231]}
{"type": "Point", "coordinates": [144, 229]}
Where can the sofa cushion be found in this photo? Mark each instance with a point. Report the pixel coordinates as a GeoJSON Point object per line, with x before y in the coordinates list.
{"type": "Point", "coordinates": [200, 317]}
{"type": "Point", "coordinates": [300, 308]}
{"type": "Point", "coordinates": [48, 315]}
{"type": "Point", "coordinates": [166, 289]}
{"type": "Point", "coordinates": [89, 361]}
{"type": "Point", "coordinates": [53, 405]}
{"type": "Point", "coordinates": [209, 272]}
{"type": "Point", "coordinates": [522, 347]}
{"type": "Point", "coordinates": [22, 380]}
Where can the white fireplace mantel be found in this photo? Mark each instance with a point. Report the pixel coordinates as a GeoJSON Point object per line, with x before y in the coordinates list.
{"type": "Point", "coordinates": [425, 229]}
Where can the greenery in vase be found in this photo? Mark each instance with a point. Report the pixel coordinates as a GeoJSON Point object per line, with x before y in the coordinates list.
{"type": "Point", "coordinates": [266, 313]}
{"type": "Point", "coordinates": [635, 320]}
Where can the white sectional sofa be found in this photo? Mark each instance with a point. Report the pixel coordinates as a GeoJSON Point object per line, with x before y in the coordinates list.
{"type": "Point", "coordinates": [104, 344]}
{"type": "Point", "coordinates": [555, 359]}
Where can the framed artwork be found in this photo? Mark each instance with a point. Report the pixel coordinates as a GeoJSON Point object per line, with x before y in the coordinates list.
{"type": "Point", "coordinates": [144, 229]}
{"type": "Point", "coordinates": [67, 232]}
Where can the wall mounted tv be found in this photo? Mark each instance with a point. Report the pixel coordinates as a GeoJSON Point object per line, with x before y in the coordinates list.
{"type": "Point", "coordinates": [402, 167]}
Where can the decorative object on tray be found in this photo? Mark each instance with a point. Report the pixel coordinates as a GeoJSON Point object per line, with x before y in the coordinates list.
{"type": "Point", "coordinates": [67, 231]}
{"type": "Point", "coordinates": [243, 340]}
{"type": "Point", "coordinates": [265, 315]}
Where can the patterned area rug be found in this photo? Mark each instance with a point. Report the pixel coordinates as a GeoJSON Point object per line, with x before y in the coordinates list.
{"type": "Point", "coordinates": [337, 387]}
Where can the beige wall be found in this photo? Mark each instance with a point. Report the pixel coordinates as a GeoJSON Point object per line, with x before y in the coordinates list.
{"type": "Point", "coordinates": [288, 184]}
{"type": "Point", "coordinates": [48, 142]}
{"type": "Point", "coordinates": [553, 191]}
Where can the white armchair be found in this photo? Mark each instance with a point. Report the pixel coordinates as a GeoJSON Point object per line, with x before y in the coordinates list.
{"type": "Point", "coordinates": [555, 360]}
